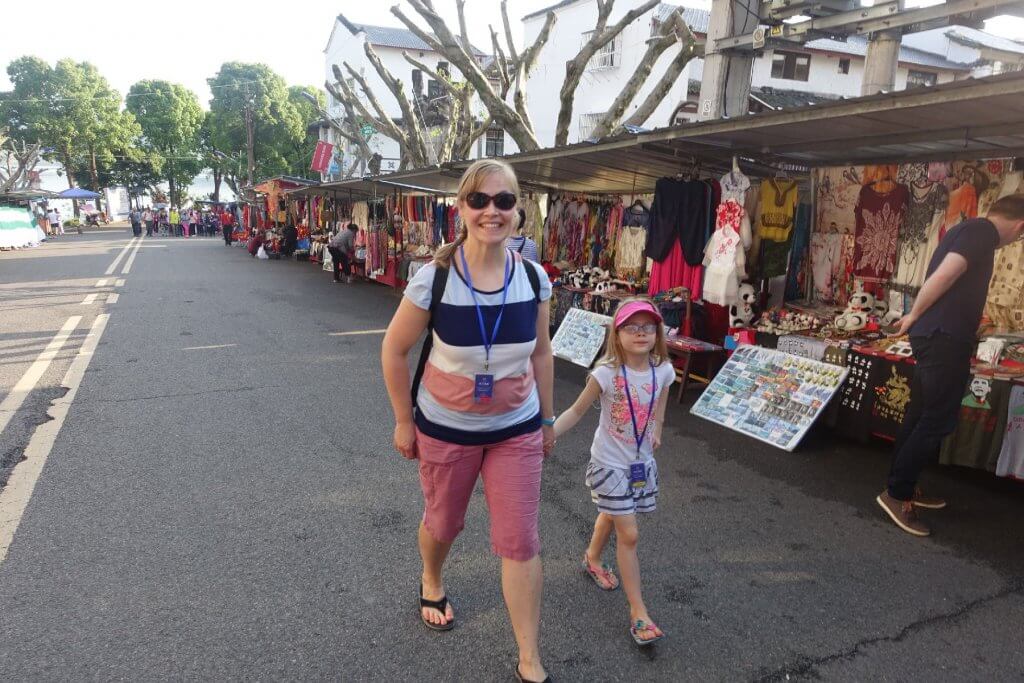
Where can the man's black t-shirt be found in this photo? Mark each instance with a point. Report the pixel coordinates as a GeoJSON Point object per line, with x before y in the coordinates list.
{"type": "Point", "coordinates": [958, 311]}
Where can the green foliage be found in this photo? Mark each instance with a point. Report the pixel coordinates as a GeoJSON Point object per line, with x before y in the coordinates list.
{"type": "Point", "coordinates": [278, 125]}
{"type": "Point", "coordinates": [69, 108]}
{"type": "Point", "coordinates": [171, 120]}
{"type": "Point", "coordinates": [302, 152]}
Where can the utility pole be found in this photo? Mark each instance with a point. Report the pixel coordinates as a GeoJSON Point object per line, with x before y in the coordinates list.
{"type": "Point", "coordinates": [881, 62]}
{"type": "Point", "coordinates": [251, 165]}
{"type": "Point", "coordinates": [725, 86]}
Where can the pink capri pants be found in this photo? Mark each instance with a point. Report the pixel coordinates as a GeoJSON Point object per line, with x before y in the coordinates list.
{"type": "Point", "coordinates": [511, 472]}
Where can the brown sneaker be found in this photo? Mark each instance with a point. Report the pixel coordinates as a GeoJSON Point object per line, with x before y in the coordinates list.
{"type": "Point", "coordinates": [902, 512]}
{"type": "Point", "coordinates": [929, 502]}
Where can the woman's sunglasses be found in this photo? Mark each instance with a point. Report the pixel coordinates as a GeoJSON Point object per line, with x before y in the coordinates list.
{"type": "Point", "coordinates": [503, 201]}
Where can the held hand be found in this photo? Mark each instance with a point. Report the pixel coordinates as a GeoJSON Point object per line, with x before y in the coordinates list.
{"type": "Point", "coordinates": [405, 440]}
{"type": "Point", "coordinates": [656, 441]}
{"type": "Point", "coordinates": [549, 439]}
{"type": "Point", "coordinates": [904, 325]}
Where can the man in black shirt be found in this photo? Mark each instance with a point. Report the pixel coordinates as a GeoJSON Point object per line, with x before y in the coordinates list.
{"type": "Point", "coordinates": [943, 325]}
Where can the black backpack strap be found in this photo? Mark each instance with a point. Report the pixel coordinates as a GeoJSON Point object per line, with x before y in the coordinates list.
{"type": "Point", "coordinates": [531, 274]}
{"type": "Point", "coordinates": [436, 292]}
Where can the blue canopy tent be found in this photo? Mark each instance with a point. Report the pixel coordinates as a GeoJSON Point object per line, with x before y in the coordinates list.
{"type": "Point", "coordinates": [78, 193]}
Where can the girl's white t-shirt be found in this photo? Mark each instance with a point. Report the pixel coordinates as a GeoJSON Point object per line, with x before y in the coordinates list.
{"type": "Point", "coordinates": [614, 440]}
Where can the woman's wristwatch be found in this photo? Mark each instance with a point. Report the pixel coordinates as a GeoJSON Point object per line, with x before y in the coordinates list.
{"type": "Point", "coordinates": [548, 421]}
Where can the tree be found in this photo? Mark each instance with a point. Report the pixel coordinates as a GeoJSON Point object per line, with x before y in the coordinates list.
{"type": "Point", "coordinates": [310, 115]}
{"type": "Point", "coordinates": [251, 110]}
{"type": "Point", "coordinates": [71, 111]}
{"type": "Point", "coordinates": [17, 162]}
{"type": "Point", "coordinates": [171, 118]}
{"type": "Point", "coordinates": [501, 88]}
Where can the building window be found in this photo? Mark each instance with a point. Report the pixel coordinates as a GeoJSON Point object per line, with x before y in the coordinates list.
{"type": "Point", "coordinates": [434, 90]}
{"type": "Point", "coordinates": [791, 66]}
{"type": "Point", "coordinates": [844, 66]}
{"type": "Point", "coordinates": [684, 113]}
{"type": "Point", "coordinates": [921, 79]}
{"type": "Point", "coordinates": [495, 143]}
{"type": "Point", "coordinates": [608, 56]}
{"type": "Point", "coordinates": [588, 122]}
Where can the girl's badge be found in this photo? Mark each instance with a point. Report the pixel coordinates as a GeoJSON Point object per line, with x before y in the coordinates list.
{"type": "Point", "coordinates": [637, 475]}
{"type": "Point", "coordinates": [483, 388]}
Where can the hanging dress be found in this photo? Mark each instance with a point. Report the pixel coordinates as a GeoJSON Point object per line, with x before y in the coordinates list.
{"type": "Point", "coordinates": [724, 261]}
{"type": "Point", "coordinates": [879, 217]}
{"type": "Point", "coordinates": [775, 225]}
{"type": "Point", "coordinates": [919, 235]}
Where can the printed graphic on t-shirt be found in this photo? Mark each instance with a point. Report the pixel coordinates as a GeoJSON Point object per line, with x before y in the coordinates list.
{"type": "Point", "coordinates": [621, 426]}
{"type": "Point", "coordinates": [977, 397]}
{"type": "Point", "coordinates": [892, 397]}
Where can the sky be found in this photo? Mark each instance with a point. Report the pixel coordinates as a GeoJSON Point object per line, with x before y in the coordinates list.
{"type": "Point", "coordinates": [186, 41]}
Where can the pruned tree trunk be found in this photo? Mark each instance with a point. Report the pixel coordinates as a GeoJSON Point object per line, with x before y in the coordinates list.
{"type": "Point", "coordinates": [673, 30]}
{"type": "Point", "coordinates": [217, 177]}
{"type": "Point", "coordinates": [664, 85]}
{"type": "Point", "coordinates": [576, 67]}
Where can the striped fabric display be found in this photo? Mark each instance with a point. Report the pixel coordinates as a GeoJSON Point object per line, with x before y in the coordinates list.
{"type": "Point", "coordinates": [446, 408]}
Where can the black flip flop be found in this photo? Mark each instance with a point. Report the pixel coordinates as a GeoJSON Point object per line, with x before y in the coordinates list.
{"type": "Point", "coordinates": [441, 606]}
{"type": "Point", "coordinates": [519, 677]}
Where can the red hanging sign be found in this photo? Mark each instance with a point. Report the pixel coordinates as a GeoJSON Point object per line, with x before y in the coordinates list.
{"type": "Point", "coordinates": [321, 157]}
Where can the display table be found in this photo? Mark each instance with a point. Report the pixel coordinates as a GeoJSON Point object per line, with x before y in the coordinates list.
{"type": "Point", "coordinates": [684, 350]}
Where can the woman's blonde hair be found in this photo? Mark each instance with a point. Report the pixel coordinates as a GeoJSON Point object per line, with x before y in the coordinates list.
{"type": "Point", "coordinates": [615, 355]}
{"type": "Point", "coordinates": [472, 179]}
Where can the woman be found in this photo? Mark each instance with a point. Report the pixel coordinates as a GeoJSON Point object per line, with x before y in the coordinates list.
{"type": "Point", "coordinates": [486, 387]}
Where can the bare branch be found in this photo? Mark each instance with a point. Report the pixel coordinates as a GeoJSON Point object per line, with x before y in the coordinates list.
{"type": "Point", "coordinates": [667, 37]}
{"type": "Point", "coordinates": [502, 64]}
{"type": "Point", "coordinates": [382, 121]}
{"type": "Point", "coordinates": [460, 7]}
{"type": "Point", "coordinates": [530, 55]}
{"type": "Point", "coordinates": [662, 88]}
{"type": "Point", "coordinates": [512, 54]}
{"type": "Point", "coordinates": [575, 68]}
{"type": "Point", "coordinates": [417, 148]}
{"type": "Point", "coordinates": [446, 44]}
{"type": "Point", "coordinates": [351, 132]}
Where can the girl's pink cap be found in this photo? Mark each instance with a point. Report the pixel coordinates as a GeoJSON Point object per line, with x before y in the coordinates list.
{"type": "Point", "coordinates": [625, 311]}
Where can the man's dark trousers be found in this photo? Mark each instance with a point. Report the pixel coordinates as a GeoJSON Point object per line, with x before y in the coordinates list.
{"type": "Point", "coordinates": [943, 366]}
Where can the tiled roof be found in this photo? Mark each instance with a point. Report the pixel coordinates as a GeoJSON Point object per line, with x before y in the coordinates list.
{"type": "Point", "coordinates": [549, 8]}
{"type": "Point", "coordinates": [777, 98]}
{"type": "Point", "coordinates": [696, 19]}
{"type": "Point", "coordinates": [972, 37]}
{"type": "Point", "coordinates": [401, 38]}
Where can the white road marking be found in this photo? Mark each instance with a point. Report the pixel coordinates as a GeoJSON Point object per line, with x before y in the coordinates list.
{"type": "Point", "coordinates": [12, 402]}
{"type": "Point", "coordinates": [14, 498]}
{"type": "Point", "coordinates": [113, 297]}
{"type": "Point", "coordinates": [131, 259]}
{"type": "Point", "coordinates": [353, 334]}
{"type": "Point", "coordinates": [119, 282]}
{"type": "Point", "coordinates": [101, 283]}
{"type": "Point", "coordinates": [202, 348]}
{"type": "Point", "coordinates": [89, 298]}
{"type": "Point", "coordinates": [113, 266]}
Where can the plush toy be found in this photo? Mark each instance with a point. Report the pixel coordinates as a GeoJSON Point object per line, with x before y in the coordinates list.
{"type": "Point", "coordinates": [851, 321]}
{"type": "Point", "coordinates": [741, 314]}
{"type": "Point", "coordinates": [861, 302]}
{"type": "Point", "coordinates": [881, 308]}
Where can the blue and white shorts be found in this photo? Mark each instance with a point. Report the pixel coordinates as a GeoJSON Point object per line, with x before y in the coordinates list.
{"type": "Point", "coordinates": [611, 492]}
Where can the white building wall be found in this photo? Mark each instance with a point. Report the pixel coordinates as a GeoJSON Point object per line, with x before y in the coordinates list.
{"type": "Point", "coordinates": [599, 87]}
{"type": "Point", "coordinates": [935, 41]}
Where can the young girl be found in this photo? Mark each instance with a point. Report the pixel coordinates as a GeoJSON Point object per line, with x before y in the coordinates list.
{"type": "Point", "coordinates": [632, 381]}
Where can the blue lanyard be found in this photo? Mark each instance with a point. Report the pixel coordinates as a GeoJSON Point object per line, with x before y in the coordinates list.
{"type": "Point", "coordinates": [488, 343]}
{"type": "Point", "coordinates": [637, 433]}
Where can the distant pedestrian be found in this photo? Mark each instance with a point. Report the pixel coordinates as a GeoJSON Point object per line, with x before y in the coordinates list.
{"type": "Point", "coordinates": [290, 240]}
{"type": "Point", "coordinates": [343, 248]}
{"type": "Point", "coordinates": [55, 225]}
{"type": "Point", "coordinates": [227, 222]}
{"type": "Point", "coordinates": [632, 383]}
{"type": "Point", "coordinates": [193, 221]}
{"type": "Point", "coordinates": [41, 220]}
{"type": "Point", "coordinates": [135, 218]}
{"type": "Point", "coordinates": [147, 218]}
{"type": "Point", "coordinates": [522, 244]}
{"type": "Point", "coordinates": [943, 327]}
{"type": "Point", "coordinates": [175, 220]}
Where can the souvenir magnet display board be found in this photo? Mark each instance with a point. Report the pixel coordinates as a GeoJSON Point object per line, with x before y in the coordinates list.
{"type": "Point", "coordinates": [770, 395]}
{"type": "Point", "coordinates": [580, 337]}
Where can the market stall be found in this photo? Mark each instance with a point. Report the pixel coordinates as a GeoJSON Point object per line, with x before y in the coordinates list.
{"type": "Point", "coordinates": [805, 230]}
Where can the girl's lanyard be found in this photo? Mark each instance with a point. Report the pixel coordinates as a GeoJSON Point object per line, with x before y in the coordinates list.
{"type": "Point", "coordinates": [483, 385]}
{"type": "Point", "coordinates": [637, 470]}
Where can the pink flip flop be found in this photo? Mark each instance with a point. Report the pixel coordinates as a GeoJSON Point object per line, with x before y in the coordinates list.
{"type": "Point", "coordinates": [598, 573]}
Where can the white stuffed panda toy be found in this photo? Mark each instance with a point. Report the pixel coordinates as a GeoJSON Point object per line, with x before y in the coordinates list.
{"type": "Point", "coordinates": [741, 314]}
{"type": "Point", "coordinates": [861, 302]}
{"type": "Point", "coordinates": [852, 321]}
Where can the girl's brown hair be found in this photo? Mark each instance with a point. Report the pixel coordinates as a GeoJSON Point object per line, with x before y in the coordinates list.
{"type": "Point", "coordinates": [472, 179]}
{"type": "Point", "coordinates": [615, 355]}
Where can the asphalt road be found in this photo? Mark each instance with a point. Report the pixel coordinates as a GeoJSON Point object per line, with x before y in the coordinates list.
{"type": "Point", "coordinates": [222, 502]}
